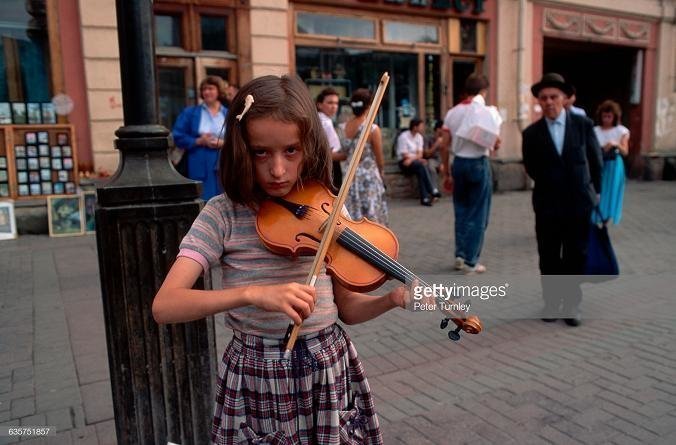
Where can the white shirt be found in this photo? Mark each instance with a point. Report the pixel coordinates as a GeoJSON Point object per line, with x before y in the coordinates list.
{"type": "Point", "coordinates": [453, 120]}
{"type": "Point", "coordinates": [331, 135]}
{"type": "Point", "coordinates": [613, 135]}
{"type": "Point", "coordinates": [212, 124]}
{"type": "Point", "coordinates": [408, 144]}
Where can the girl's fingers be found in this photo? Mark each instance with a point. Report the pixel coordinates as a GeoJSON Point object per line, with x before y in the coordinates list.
{"type": "Point", "coordinates": [289, 310]}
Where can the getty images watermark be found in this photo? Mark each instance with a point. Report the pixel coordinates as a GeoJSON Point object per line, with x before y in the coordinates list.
{"type": "Point", "coordinates": [426, 298]}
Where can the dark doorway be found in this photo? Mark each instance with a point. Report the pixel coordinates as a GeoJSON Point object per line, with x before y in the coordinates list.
{"type": "Point", "coordinates": [600, 72]}
{"type": "Point", "coordinates": [462, 69]}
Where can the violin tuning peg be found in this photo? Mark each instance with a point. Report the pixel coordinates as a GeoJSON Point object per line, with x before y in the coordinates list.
{"type": "Point", "coordinates": [444, 323]}
{"type": "Point", "coordinates": [454, 335]}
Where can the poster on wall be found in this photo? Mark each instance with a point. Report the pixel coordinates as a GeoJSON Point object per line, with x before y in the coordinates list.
{"type": "Point", "coordinates": [7, 220]}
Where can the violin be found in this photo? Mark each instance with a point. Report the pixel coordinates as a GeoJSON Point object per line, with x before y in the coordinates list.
{"type": "Point", "coordinates": [361, 255]}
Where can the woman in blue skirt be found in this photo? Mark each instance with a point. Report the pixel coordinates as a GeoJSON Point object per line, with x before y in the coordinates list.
{"type": "Point", "coordinates": [614, 140]}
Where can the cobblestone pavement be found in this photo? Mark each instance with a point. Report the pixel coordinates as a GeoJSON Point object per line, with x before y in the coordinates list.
{"type": "Point", "coordinates": [519, 381]}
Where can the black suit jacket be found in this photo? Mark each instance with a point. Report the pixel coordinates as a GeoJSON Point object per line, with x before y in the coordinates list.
{"type": "Point", "coordinates": [566, 184]}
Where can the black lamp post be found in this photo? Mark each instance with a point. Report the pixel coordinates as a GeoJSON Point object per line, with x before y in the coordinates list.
{"type": "Point", "coordinates": [160, 375]}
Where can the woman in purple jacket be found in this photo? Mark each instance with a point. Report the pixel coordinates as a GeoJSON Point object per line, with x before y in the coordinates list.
{"type": "Point", "coordinates": [199, 130]}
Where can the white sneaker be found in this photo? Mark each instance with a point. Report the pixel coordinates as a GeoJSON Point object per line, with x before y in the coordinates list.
{"type": "Point", "coordinates": [459, 263]}
{"type": "Point", "coordinates": [476, 269]}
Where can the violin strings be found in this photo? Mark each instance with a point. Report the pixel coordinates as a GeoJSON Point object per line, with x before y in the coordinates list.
{"type": "Point", "coordinates": [385, 262]}
{"type": "Point", "coordinates": [377, 255]}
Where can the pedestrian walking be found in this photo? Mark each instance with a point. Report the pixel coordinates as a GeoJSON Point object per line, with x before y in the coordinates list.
{"type": "Point", "coordinates": [471, 142]}
{"type": "Point", "coordinates": [613, 138]}
{"type": "Point", "coordinates": [321, 395]}
{"type": "Point", "coordinates": [562, 155]}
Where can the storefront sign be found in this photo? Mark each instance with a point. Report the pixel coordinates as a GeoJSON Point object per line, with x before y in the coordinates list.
{"type": "Point", "coordinates": [477, 6]}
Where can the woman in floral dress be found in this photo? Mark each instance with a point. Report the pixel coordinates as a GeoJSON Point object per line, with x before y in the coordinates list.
{"type": "Point", "coordinates": [366, 198]}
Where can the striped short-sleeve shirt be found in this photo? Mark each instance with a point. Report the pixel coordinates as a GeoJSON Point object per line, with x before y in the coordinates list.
{"type": "Point", "coordinates": [224, 235]}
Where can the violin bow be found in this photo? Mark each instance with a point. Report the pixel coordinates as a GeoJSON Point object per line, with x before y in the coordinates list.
{"type": "Point", "coordinates": [338, 203]}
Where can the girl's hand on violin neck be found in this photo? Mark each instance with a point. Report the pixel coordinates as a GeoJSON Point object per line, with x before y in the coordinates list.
{"type": "Point", "coordinates": [294, 299]}
{"type": "Point", "coordinates": [400, 297]}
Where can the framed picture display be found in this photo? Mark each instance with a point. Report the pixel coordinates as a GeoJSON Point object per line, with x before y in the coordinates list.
{"type": "Point", "coordinates": [34, 113]}
{"type": "Point", "coordinates": [64, 215]}
{"type": "Point", "coordinates": [19, 113]}
{"type": "Point", "coordinates": [89, 207]}
{"type": "Point", "coordinates": [7, 220]}
{"type": "Point", "coordinates": [36, 161]}
{"type": "Point", "coordinates": [5, 113]}
{"type": "Point", "coordinates": [48, 113]}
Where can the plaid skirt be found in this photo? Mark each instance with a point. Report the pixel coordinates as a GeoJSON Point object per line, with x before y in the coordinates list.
{"type": "Point", "coordinates": [319, 396]}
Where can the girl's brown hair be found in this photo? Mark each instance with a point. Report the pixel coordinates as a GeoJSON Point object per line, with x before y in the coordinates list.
{"type": "Point", "coordinates": [285, 99]}
{"type": "Point", "coordinates": [609, 106]}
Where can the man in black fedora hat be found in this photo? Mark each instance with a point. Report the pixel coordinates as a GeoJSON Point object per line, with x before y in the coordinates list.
{"type": "Point", "coordinates": [562, 155]}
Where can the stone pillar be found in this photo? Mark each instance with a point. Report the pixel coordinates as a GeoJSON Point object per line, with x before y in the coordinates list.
{"type": "Point", "coordinates": [161, 376]}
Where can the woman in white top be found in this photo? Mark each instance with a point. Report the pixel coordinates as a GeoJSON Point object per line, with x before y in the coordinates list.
{"type": "Point", "coordinates": [410, 146]}
{"type": "Point", "coordinates": [614, 140]}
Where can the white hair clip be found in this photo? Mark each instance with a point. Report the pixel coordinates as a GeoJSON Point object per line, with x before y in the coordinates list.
{"type": "Point", "coordinates": [248, 100]}
{"type": "Point", "coordinates": [357, 104]}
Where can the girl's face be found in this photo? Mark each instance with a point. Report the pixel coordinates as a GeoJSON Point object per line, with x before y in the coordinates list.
{"type": "Point", "coordinates": [607, 118]}
{"type": "Point", "coordinates": [277, 154]}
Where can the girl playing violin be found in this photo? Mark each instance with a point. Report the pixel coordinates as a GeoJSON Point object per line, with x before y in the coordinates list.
{"type": "Point", "coordinates": [321, 395]}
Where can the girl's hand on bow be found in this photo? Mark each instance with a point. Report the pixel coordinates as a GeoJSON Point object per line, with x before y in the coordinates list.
{"type": "Point", "coordinates": [293, 299]}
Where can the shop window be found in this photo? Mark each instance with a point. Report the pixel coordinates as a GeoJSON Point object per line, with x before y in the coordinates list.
{"type": "Point", "coordinates": [400, 32]}
{"type": "Point", "coordinates": [467, 36]}
{"type": "Point", "coordinates": [346, 69]}
{"type": "Point", "coordinates": [168, 30]}
{"type": "Point", "coordinates": [214, 33]}
{"type": "Point", "coordinates": [336, 26]}
{"type": "Point", "coordinates": [468, 43]}
{"type": "Point", "coordinates": [24, 52]}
